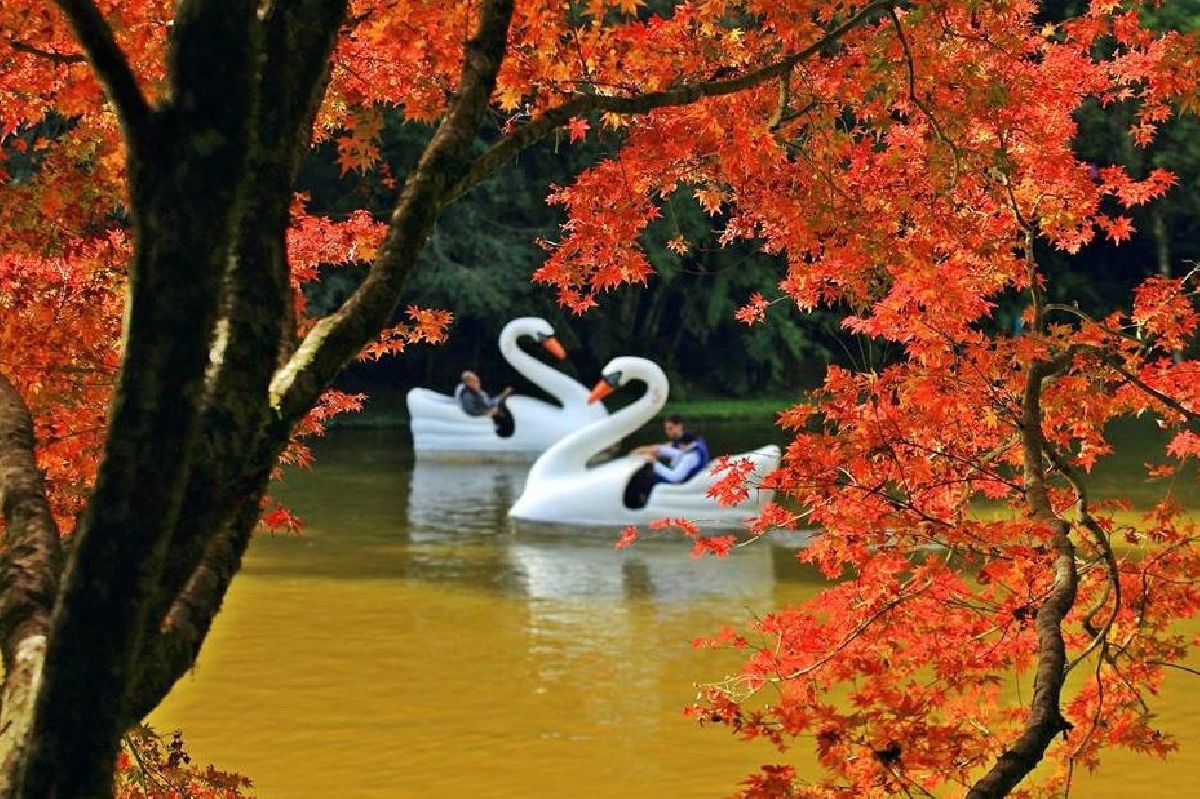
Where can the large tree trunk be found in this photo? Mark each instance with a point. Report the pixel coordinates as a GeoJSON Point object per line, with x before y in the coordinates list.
{"type": "Point", "coordinates": [201, 410]}
{"type": "Point", "coordinates": [187, 167]}
{"type": "Point", "coordinates": [28, 577]}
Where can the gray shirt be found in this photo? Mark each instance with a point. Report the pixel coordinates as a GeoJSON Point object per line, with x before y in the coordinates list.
{"type": "Point", "coordinates": [473, 402]}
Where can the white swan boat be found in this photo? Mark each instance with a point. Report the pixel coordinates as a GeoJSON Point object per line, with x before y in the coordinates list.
{"type": "Point", "coordinates": [561, 487]}
{"type": "Point", "coordinates": [441, 429]}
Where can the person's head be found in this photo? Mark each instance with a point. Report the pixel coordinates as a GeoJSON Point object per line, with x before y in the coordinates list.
{"type": "Point", "coordinates": [673, 426]}
{"type": "Point", "coordinates": [687, 440]}
{"type": "Point", "coordinates": [470, 380]}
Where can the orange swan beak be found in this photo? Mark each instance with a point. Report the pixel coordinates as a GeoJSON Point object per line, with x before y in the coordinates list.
{"type": "Point", "coordinates": [554, 348]}
{"type": "Point", "coordinates": [602, 390]}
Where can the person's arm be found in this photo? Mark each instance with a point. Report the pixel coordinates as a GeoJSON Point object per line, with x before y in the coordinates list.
{"type": "Point", "coordinates": [668, 451]}
{"type": "Point", "coordinates": [676, 473]}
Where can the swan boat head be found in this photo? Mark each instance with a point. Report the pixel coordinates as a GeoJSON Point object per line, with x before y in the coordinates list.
{"type": "Point", "coordinates": [534, 327]}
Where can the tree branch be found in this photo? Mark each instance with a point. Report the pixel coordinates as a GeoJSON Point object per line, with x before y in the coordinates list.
{"type": "Point", "coordinates": [912, 93]}
{"type": "Point", "coordinates": [507, 148]}
{"type": "Point", "coordinates": [30, 566]}
{"type": "Point", "coordinates": [1176, 666]}
{"type": "Point", "coordinates": [785, 93]}
{"type": "Point", "coordinates": [1192, 416]}
{"type": "Point", "coordinates": [338, 338]}
{"type": "Point", "coordinates": [1099, 636]}
{"type": "Point", "coordinates": [111, 67]}
{"type": "Point", "coordinates": [173, 650]}
{"type": "Point", "coordinates": [50, 55]}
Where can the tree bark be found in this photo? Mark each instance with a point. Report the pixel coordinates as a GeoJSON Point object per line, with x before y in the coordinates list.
{"type": "Point", "coordinates": [185, 182]}
{"type": "Point", "coordinates": [238, 441]}
{"type": "Point", "coordinates": [1045, 720]}
{"type": "Point", "coordinates": [30, 564]}
{"type": "Point", "coordinates": [339, 337]}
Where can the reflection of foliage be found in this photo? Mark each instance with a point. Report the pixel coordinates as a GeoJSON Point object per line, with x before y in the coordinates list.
{"type": "Point", "coordinates": [150, 767]}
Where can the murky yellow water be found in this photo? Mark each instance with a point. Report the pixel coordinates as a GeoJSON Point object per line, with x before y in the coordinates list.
{"type": "Point", "coordinates": [411, 644]}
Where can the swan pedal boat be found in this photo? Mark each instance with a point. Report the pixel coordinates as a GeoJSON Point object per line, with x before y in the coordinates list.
{"type": "Point", "coordinates": [442, 430]}
{"type": "Point", "coordinates": [563, 489]}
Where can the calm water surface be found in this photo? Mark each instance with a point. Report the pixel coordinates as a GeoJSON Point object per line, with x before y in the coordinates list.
{"type": "Point", "coordinates": [412, 643]}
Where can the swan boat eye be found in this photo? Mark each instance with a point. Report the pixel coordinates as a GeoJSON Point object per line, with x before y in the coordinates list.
{"type": "Point", "coordinates": [613, 379]}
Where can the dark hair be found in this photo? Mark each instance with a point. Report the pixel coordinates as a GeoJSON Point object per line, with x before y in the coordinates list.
{"type": "Point", "coordinates": [688, 438]}
{"type": "Point", "coordinates": [674, 418]}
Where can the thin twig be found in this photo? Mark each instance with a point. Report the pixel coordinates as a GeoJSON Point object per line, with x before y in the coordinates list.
{"type": "Point", "coordinates": [51, 55]}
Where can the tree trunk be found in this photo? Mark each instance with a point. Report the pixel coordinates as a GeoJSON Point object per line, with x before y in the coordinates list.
{"type": "Point", "coordinates": [1162, 241]}
{"type": "Point", "coordinates": [186, 177]}
{"type": "Point", "coordinates": [30, 561]}
{"type": "Point", "coordinates": [1045, 719]}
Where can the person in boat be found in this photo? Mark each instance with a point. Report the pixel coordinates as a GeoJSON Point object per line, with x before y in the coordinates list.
{"type": "Point", "coordinates": [674, 428]}
{"type": "Point", "coordinates": [474, 401]}
{"type": "Point", "coordinates": [686, 457]}
{"type": "Point", "coordinates": [683, 456]}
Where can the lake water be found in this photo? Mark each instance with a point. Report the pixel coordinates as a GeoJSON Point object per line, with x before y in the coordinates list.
{"type": "Point", "coordinates": [412, 643]}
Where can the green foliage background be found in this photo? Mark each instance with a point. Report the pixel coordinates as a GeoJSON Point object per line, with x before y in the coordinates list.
{"type": "Point", "coordinates": [479, 260]}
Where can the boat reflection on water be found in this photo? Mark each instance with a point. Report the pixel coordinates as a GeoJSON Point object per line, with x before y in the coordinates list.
{"type": "Point", "coordinates": [582, 563]}
{"type": "Point", "coordinates": [580, 615]}
{"type": "Point", "coordinates": [454, 508]}
{"type": "Point", "coordinates": [448, 499]}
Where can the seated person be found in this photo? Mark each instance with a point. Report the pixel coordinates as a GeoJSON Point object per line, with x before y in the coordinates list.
{"type": "Point", "coordinates": [685, 459]}
{"type": "Point", "coordinates": [474, 401]}
{"type": "Point", "coordinates": [674, 428]}
{"type": "Point", "coordinates": [686, 455]}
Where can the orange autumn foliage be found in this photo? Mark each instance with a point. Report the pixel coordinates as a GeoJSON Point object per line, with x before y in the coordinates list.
{"type": "Point", "coordinates": [904, 161]}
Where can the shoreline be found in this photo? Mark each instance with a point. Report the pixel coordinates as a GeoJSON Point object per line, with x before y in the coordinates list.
{"type": "Point", "coordinates": [384, 410]}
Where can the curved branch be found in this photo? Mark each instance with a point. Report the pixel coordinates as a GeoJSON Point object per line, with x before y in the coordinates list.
{"type": "Point", "coordinates": [1045, 713]}
{"type": "Point", "coordinates": [111, 67]}
{"type": "Point", "coordinates": [910, 63]}
{"type": "Point", "coordinates": [507, 148]}
{"type": "Point", "coordinates": [785, 96]}
{"type": "Point", "coordinates": [1112, 569]}
{"type": "Point", "coordinates": [174, 647]}
{"type": "Point", "coordinates": [1192, 416]}
{"type": "Point", "coordinates": [338, 338]}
